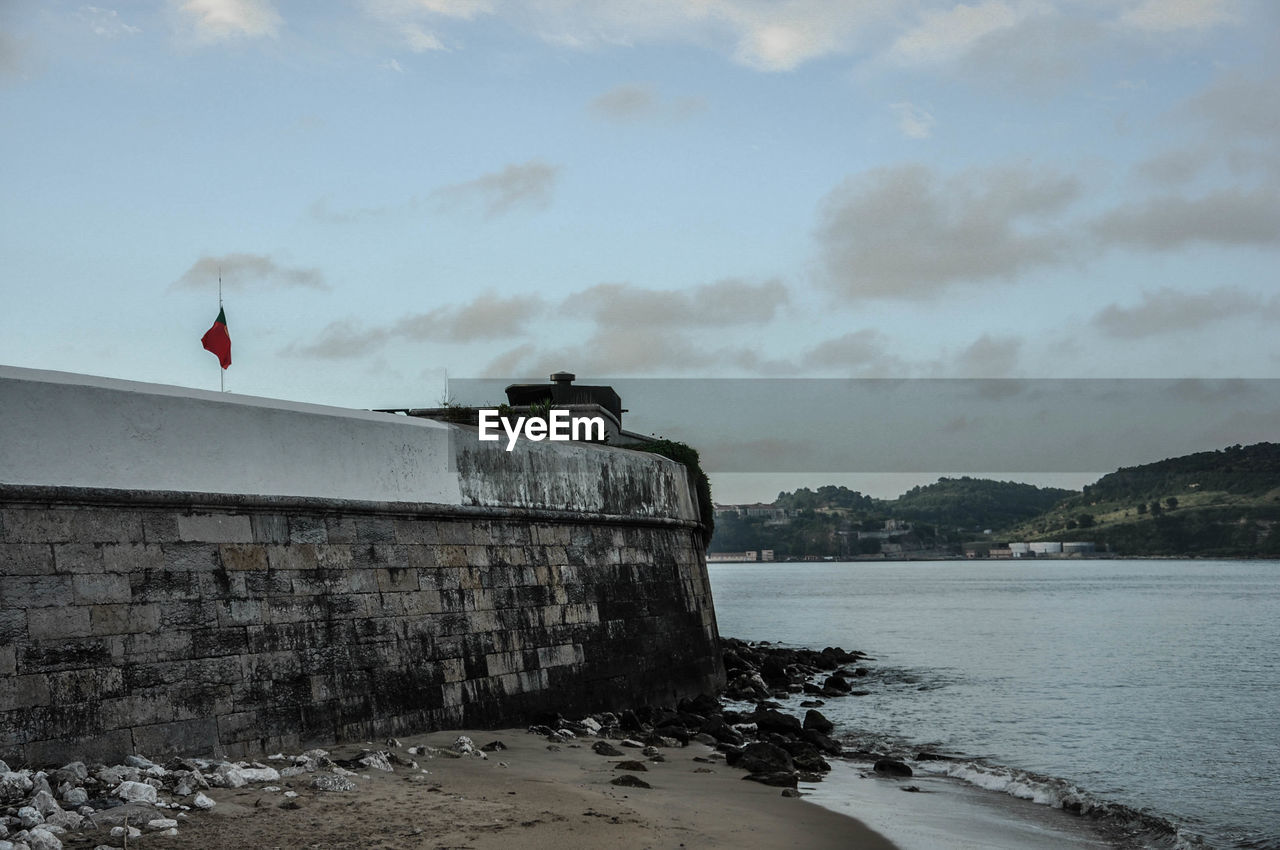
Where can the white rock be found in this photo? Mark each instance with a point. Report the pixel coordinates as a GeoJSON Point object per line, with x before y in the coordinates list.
{"type": "Point", "coordinates": [277, 757]}
{"type": "Point", "coordinates": [291, 793]}
{"type": "Point", "coordinates": [76, 797]}
{"type": "Point", "coordinates": [260, 774]}
{"type": "Point", "coordinates": [135, 792]}
{"type": "Point", "coordinates": [630, 742]}
{"type": "Point", "coordinates": [203, 802]}
{"type": "Point", "coordinates": [463, 745]}
{"type": "Point", "coordinates": [15, 783]}
{"type": "Point", "coordinates": [161, 823]}
{"type": "Point", "coordinates": [376, 761]}
{"type": "Point", "coordinates": [131, 832]}
{"type": "Point", "coordinates": [30, 816]}
{"type": "Point", "coordinates": [42, 839]}
{"type": "Point", "coordinates": [227, 775]}
{"type": "Point", "coordinates": [4, 768]}
{"type": "Point", "coordinates": [591, 725]}
{"type": "Point", "coordinates": [173, 830]}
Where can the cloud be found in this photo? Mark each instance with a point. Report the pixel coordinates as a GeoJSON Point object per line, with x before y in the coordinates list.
{"type": "Point", "coordinates": [988, 357]}
{"type": "Point", "coordinates": [527, 184]}
{"type": "Point", "coordinates": [105, 22]}
{"type": "Point", "coordinates": [640, 103]}
{"type": "Point", "coordinates": [941, 36]}
{"type": "Point", "coordinates": [1161, 16]}
{"type": "Point", "coordinates": [769, 36]}
{"type": "Point", "coordinates": [1170, 311]}
{"type": "Point", "coordinates": [488, 317]}
{"type": "Point", "coordinates": [857, 350]}
{"type": "Point", "coordinates": [10, 55]}
{"type": "Point", "coordinates": [914, 122]}
{"type": "Point", "coordinates": [241, 271]}
{"type": "Point", "coordinates": [215, 20]}
{"type": "Point", "coordinates": [724, 303]}
{"type": "Point", "coordinates": [908, 232]}
{"type": "Point", "coordinates": [420, 40]}
{"type": "Point", "coordinates": [392, 65]}
{"type": "Point", "coordinates": [1230, 216]}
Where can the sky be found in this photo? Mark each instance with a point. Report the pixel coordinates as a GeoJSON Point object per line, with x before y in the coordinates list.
{"type": "Point", "coordinates": [400, 193]}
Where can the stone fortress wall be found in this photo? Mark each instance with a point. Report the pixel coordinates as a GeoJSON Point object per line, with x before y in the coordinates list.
{"type": "Point", "coordinates": [196, 572]}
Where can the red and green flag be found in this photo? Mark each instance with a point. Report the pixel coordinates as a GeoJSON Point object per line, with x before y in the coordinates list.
{"type": "Point", "coordinates": [217, 340]}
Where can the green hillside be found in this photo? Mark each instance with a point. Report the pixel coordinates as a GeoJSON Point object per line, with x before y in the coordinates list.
{"type": "Point", "coordinates": [975, 503]}
{"type": "Point", "coordinates": [1224, 503]}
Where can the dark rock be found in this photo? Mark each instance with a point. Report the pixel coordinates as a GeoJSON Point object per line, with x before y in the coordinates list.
{"type": "Point", "coordinates": [814, 719]}
{"type": "Point", "coordinates": [790, 792]}
{"type": "Point", "coordinates": [928, 756]}
{"type": "Point", "coordinates": [821, 742]}
{"type": "Point", "coordinates": [721, 731]}
{"type": "Point", "coordinates": [772, 720]}
{"type": "Point", "coordinates": [628, 781]}
{"type": "Point", "coordinates": [634, 766]}
{"type": "Point", "coordinates": [704, 738]}
{"type": "Point", "coordinates": [760, 757]}
{"type": "Point", "coordinates": [629, 721]}
{"type": "Point", "coordinates": [777, 778]}
{"type": "Point", "coordinates": [604, 748]}
{"type": "Point", "coordinates": [702, 704]}
{"type": "Point", "coordinates": [493, 747]}
{"type": "Point", "coordinates": [913, 788]}
{"type": "Point", "coordinates": [892, 767]}
{"type": "Point", "coordinates": [837, 683]}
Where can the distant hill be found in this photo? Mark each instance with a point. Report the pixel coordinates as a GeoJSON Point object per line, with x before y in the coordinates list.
{"type": "Point", "coordinates": [1223, 503]}
{"type": "Point", "coordinates": [826, 522]}
{"type": "Point", "coordinates": [975, 503]}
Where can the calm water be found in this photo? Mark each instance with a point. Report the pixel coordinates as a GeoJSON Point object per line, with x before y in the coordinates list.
{"type": "Point", "coordinates": [1153, 684]}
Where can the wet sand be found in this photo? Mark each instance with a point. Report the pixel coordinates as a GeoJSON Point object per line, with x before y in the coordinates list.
{"type": "Point", "coordinates": [526, 796]}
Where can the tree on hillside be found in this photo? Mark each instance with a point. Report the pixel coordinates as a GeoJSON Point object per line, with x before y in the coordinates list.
{"type": "Point", "coordinates": [1171, 503]}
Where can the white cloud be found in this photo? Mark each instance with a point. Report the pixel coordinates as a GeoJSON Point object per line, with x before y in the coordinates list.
{"type": "Point", "coordinates": [913, 122]}
{"type": "Point", "coordinates": [420, 40]}
{"type": "Point", "coordinates": [239, 271]}
{"type": "Point", "coordinates": [527, 184]}
{"type": "Point", "coordinates": [1169, 311]}
{"type": "Point", "coordinates": [1171, 15]}
{"type": "Point", "coordinates": [221, 19]}
{"type": "Point", "coordinates": [634, 103]}
{"type": "Point", "coordinates": [908, 232]}
{"type": "Point", "coordinates": [941, 36]}
{"type": "Point", "coordinates": [392, 65]}
{"type": "Point", "coordinates": [106, 22]}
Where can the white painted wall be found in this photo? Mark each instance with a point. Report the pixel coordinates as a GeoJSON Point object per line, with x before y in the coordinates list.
{"type": "Point", "coordinates": [58, 428]}
{"type": "Point", "coordinates": [62, 429]}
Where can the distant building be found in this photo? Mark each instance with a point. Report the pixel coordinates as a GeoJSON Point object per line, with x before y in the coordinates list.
{"type": "Point", "coordinates": [766, 554]}
{"type": "Point", "coordinates": [721, 557]}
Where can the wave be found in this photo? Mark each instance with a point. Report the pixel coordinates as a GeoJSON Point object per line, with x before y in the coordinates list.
{"type": "Point", "coordinates": [1120, 824]}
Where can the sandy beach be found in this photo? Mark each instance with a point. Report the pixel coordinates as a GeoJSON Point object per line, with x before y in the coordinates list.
{"type": "Point", "coordinates": [526, 796]}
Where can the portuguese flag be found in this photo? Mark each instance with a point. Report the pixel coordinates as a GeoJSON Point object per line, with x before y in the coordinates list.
{"type": "Point", "coordinates": [217, 341]}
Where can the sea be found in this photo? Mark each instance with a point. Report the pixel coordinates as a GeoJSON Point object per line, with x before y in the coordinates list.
{"type": "Point", "coordinates": [1080, 703]}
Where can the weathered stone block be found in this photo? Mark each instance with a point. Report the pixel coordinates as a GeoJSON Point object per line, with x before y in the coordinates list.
{"type": "Point", "coordinates": [124, 619]}
{"type": "Point", "coordinates": [340, 529]}
{"type": "Point", "coordinates": [77, 558]}
{"type": "Point", "coordinates": [375, 530]}
{"type": "Point", "coordinates": [100, 588]}
{"type": "Point", "coordinates": [397, 580]}
{"type": "Point", "coordinates": [269, 528]}
{"type": "Point", "coordinates": [8, 660]}
{"type": "Point", "coordinates": [110, 746]}
{"type": "Point", "coordinates": [126, 557]}
{"type": "Point", "coordinates": [235, 557]}
{"type": "Point", "coordinates": [26, 559]}
{"type": "Point", "coordinates": [183, 736]}
{"type": "Point", "coordinates": [307, 529]}
{"type": "Point", "coordinates": [36, 525]}
{"type": "Point", "coordinates": [297, 556]}
{"type": "Point", "coordinates": [63, 621]}
{"type": "Point", "coordinates": [71, 686]}
{"type": "Point", "coordinates": [24, 691]}
{"type": "Point", "coordinates": [417, 532]}
{"type": "Point", "coordinates": [215, 528]}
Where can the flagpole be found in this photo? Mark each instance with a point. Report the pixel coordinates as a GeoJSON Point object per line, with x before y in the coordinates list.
{"type": "Point", "coordinates": [222, 373]}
